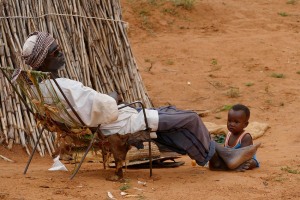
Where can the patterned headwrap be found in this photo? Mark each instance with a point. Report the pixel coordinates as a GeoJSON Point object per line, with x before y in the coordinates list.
{"type": "Point", "coordinates": [36, 47]}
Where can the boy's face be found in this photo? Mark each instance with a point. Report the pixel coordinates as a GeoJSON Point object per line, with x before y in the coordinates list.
{"type": "Point", "coordinates": [237, 121]}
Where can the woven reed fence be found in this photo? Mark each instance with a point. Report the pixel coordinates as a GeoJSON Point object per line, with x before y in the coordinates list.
{"type": "Point", "coordinates": [94, 40]}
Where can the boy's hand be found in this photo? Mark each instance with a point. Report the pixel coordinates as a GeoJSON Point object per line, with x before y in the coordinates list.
{"type": "Point", "coordinates": [250, 164]}
{"type": "Point", "coordinates": [243, 167]}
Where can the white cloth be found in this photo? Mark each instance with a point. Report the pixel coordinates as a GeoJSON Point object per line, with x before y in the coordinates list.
{"type": "Point", "coordinates": [95, 108]}
{"type": "Point", "coordinates": [29, 45]}
{"type": "Point", "coordinates": [131, 121]}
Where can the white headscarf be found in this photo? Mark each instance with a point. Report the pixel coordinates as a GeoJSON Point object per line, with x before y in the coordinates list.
{"type": "Point", "coordinates": [35, 48]}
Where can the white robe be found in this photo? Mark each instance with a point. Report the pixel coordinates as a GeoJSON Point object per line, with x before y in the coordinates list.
{"type": "Point", "coordinates": [95, 108]}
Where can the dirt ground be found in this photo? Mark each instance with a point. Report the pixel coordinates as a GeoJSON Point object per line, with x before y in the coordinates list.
{"type": "Point", "coordinates": [217, 54]}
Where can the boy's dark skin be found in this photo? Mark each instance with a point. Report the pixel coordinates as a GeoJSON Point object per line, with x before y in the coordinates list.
{"type": "Point", "coordinates": [223, 159]}
{"type": "Point", "coordinates": [236, 124]}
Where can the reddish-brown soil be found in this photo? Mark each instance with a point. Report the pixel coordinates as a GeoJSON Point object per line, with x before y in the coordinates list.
{"type": "Point", "coordinates": [219, 53]}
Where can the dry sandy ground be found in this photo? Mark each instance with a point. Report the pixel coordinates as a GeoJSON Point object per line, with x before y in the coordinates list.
{"type": "Point", "coordinates": [220, 53]}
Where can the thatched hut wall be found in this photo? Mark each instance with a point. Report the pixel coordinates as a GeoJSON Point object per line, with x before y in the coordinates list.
{"type": "Point", "coordinates": [93, 37]}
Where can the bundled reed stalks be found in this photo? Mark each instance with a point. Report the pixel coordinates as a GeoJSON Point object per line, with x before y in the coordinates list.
{"type": "Point", "coordinates": [94, 40]}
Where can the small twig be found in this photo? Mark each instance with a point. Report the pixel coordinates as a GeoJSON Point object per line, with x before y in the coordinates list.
{"type": "Point", "coordinates": [6, 159]}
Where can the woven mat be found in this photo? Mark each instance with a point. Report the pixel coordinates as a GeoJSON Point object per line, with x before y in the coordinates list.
{"type": "Point", "coordinates": [256, 129]}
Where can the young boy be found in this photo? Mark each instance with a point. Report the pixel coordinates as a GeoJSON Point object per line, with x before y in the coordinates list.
{"type": "Point", "coordinates": [238, 120]}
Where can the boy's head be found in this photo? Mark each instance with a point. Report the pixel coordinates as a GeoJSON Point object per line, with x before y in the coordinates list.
{"type": "Point", "coordinates": [238, 118]}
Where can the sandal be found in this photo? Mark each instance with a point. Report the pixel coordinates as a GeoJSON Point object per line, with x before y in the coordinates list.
{"type": "Point", "coordinates": [162, 162]}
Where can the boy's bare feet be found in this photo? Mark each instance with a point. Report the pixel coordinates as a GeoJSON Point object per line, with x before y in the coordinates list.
{"type": "Point", "coordinates": [236, 157]}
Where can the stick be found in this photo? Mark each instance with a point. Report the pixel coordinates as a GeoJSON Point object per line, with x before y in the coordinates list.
{"type": "Point", "coordinates": [6, 159]}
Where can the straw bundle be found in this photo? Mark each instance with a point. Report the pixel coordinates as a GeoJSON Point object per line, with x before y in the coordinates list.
{"type": "Point", "coordinates": [94, 40]}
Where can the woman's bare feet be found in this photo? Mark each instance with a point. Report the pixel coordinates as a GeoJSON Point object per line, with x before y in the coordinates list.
{"type": "Point", "coordinates": [236, 157]}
